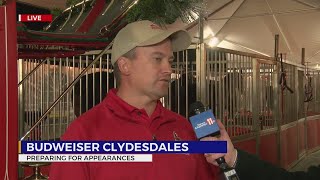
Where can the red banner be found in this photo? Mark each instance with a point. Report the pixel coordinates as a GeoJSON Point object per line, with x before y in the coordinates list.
{"type": "Point", "coordinates": [35, 17]}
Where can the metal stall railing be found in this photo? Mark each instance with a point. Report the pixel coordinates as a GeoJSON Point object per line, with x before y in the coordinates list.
{"type": "Point", "coordinates": [46, 84]}
{"type": "Point", "coordinates": [301, 93]}
{"type": "Point", "coordinates": [304, 101]}
{"type": "Point", "coordinates": [229, 89]}
{"type": "Point", "coordinates": [266, 106]}
{"type": "Point", "coordinates": [288, 106]}
{"type": "Point", "coordinates": [240, 88]}
{"type": "Point", "coordinates": [231, 82]}
{"type": "Point", "coordinates": [182, 89]}
{"type": "Point", "coordinates": [312, 92]}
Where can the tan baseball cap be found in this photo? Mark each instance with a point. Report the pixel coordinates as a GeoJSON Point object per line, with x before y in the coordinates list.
{"type": "Point", "coordinates": [146, 33]}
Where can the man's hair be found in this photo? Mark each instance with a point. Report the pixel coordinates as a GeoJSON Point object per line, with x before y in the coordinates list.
{"type": "Point", "coordinates": [117, 74]}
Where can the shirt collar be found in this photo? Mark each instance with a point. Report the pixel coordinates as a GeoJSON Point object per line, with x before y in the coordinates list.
{"type": "Point", "coordinates": [119, 106]}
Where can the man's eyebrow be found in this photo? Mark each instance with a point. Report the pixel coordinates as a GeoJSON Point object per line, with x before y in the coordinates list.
{"type": "Point", "coordinates": [162, 54]}
{"type": "Point", "coordinates": [158, 53]}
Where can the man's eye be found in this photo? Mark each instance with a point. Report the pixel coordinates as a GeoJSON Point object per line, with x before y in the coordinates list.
{"type": "Point", "coordinates": [158, 59]}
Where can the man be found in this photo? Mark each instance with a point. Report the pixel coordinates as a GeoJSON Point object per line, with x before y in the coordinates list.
{"type": "Point", "coordinates": [142, 54]}
{"type": "Point", "coordinates": [250, 167]}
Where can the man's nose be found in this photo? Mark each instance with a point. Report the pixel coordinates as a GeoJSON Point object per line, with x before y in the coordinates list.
{"type": "Point", "coordinates": [167, 67]}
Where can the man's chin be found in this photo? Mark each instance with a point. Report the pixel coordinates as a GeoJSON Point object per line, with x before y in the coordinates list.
{"type": "Point", "coordinates": [162, 94]}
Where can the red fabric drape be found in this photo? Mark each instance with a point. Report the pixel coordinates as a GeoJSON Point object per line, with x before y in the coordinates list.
{"type": "Point", "coordinates": [8, 92]}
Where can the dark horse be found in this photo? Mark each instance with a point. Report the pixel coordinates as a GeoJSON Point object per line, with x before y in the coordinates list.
{"type": "Point", "coordinates": [224, 93]}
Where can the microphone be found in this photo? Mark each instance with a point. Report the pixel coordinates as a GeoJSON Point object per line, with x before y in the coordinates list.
{"type": "Point", "coordinates": [205, 125]}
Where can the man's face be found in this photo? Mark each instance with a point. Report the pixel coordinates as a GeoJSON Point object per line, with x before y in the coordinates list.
{"type": "Point", "coordinates": [151, 70]}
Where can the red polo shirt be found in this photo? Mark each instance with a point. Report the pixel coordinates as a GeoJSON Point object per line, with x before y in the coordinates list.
{"type": "Point", "coordinates": [114, 119]}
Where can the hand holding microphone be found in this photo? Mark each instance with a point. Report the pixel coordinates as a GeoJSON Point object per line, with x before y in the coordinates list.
{"type": "Point", "coordinates": [231, 155]}
{"type": "Point", "coordinates": [207, 128]}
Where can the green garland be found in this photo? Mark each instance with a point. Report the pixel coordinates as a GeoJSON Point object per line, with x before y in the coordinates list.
{"type": "Point", "coordinates": [161, 12]}
{"type": "Point", "coordinates": [56, 12]}
{"type": "Point", "coordinates": [2, 2]}
{"type": "Point", "coordinates": [72, 2]}
{"type": "Point", "coordinates": [165, 11]}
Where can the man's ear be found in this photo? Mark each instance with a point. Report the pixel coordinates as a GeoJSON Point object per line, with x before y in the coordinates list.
{"type": "Point", "coordinates": [124, 65]}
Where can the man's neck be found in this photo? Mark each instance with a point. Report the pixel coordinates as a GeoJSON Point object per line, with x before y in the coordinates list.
{"type": "Point", "coordinates": [138, 101]}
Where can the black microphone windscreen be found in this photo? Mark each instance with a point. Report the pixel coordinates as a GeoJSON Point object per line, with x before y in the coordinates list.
{"type": "Point", "coordinates": [196, 105]}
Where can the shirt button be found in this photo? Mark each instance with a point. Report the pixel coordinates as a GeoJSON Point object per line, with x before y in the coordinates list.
{"type": "Point", "coordinates": [139, 113]}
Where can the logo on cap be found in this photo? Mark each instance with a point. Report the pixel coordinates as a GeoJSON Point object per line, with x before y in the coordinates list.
{"type": "Point", "coordinates": [155, 26]}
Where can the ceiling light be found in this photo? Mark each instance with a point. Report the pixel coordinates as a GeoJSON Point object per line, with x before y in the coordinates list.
{"type": "Point", "coordinates": [213, 42]}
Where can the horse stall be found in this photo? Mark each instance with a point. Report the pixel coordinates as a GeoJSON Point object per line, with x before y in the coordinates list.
{"type": "Point", "coordinates": [262, 101]}
{"type": "Point", "coordinates": [242, 90]}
